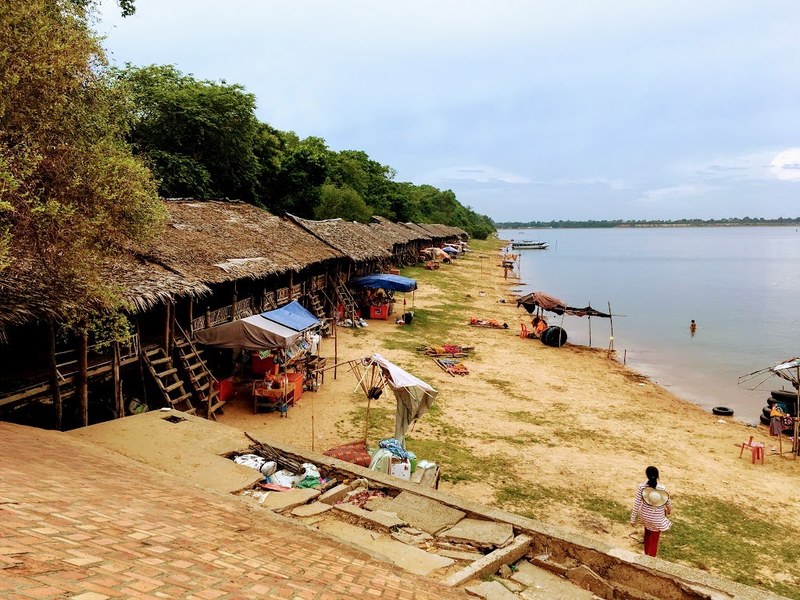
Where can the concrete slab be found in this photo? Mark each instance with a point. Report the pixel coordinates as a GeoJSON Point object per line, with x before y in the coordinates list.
{"type": "Point", "coordinates": [461, 555]}
{"type": "Point", "coordinates": [491, 590]}
{"type": "Point", "coordinates": [412, 539]}
{"type": "Point", "coordinates": [311, 510]}
{"type": "Point", "coordinates": [584, 577]}
{"type": "Point", "coordinates": [544, 585]}
{"type": "Point", "coordinates": [482, 534]}
{"type": "Point", "coordinates": [383, 548]}
{"type": "Point", "coordinates": [423, 513]}
{"type": "Point", "coordinates": [190, 449]}
{"type": "Point", "coordinates": [278, 501]}
{"type": "Point", "coordinates": [490, 563]}
{"type": "Point", "coordinates": [333, 495]}
{"type": "Point", "coordinates": [382, 521]}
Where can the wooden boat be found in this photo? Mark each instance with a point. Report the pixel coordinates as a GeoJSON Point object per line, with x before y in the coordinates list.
{"type": "Point", "coordinates": [529, 245]}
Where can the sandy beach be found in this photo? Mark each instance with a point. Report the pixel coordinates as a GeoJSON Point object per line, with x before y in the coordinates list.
{"type": "Point", "coordinates": [562, 435]}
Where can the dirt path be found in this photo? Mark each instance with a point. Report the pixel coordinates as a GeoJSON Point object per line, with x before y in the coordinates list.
{"type": "Point", "coordinates": [559, 434]}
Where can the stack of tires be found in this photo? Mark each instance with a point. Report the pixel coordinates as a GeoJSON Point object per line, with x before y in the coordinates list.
{"type": "Point", "coordinates": [786, 400]}
{"type": "Point", "coordinates": [554, 336]}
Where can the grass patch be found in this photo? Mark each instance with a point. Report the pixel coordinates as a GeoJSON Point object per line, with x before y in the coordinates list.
{"type": "Point", "coordinates": [525, 499]}
{"type": "Point", "coordinates": [717, 535]}
{"type": "Point", "coordinates": [523, 416]}
{"type": "Point", "coordinates": [458, 463]}
{"type": "Point", "coordinates": [381, 421]}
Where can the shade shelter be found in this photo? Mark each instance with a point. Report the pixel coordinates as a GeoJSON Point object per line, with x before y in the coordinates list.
{"type": "Point", "coordinates": [386, 281]}
{"type": "Point", "coordinates": [535, 302]}
{"type": "Point", "coordinates": [279, 328]}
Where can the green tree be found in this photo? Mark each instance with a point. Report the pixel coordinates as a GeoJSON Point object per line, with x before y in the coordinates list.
{"type": "Point", "coordinates": [342, 202]}
{"type": "Point", "coordinates": [200, 137]}
{"type": "Point", "coordinates": [71, 193]}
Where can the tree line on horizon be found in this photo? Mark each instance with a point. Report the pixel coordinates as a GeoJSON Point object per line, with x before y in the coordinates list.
{"type": "Point", "coordinates": [598, 224]}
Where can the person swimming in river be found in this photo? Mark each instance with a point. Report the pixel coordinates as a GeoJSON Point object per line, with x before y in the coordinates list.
{"type": "Point", "coordinates": [692, 328]}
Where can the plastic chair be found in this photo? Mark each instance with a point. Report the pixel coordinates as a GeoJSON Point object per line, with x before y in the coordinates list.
{"type": "Point", "coordinates": [523, 331]}
{"type": "Point", "coordinates": [756, 450]}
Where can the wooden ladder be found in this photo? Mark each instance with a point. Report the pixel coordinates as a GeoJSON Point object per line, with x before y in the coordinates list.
{"type": "Point", "coordinates": [200, 378]}
{"type": "Point", "coordinates": [345, 297]}
{"type": "Point", "coordinates": [319, 311]}
{"type": "Point", "coordinates": [169, 382]}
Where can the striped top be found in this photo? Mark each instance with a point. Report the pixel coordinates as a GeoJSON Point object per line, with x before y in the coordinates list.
{"type": "Point", "coordinates": [653, 518]}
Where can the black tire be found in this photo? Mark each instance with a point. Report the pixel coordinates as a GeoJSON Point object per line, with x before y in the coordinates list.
{"type": "Point", "coordinates": [554, 336]}
{"type": "Point", "coordinates": [766, 411]}
{"type": "Point", "coordinates": [784, 395]}
{"type": "Point", "coordinates": [722, 411]}
{"type": "Point", "coordinates": [764, 420]}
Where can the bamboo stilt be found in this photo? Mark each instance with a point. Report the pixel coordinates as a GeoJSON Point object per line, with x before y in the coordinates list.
{"type": "Point", "coordinates": [55, 390]}
{"type": "Point", "coordinates": [83, 377]}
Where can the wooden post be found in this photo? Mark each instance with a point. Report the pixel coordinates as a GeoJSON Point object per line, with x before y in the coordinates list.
{"type": "Point", "coordinates": [119, 404]}
{"type": "Point", "coordinates": [83, 373]}
{"type": "Point", "coordinates": [335, 348]}
{"type": "Point", "coordinates": [191, 317]}
{"type": "Point", "coordinates": [208, 317]}
{"type": "Point", "coordinates": [172, 319]}
{"type": "Point", "coordinates": [55, 390]}
{"type": "Point", "coordinates": [166, 326]}
{"type": "Point", "coordinates": [233, 303]}
{"type": "Point", "coordinates": [291, 283]}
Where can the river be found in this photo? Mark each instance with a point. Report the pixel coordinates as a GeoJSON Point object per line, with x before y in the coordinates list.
{"type": "Point", "coordinates": [740, 284]}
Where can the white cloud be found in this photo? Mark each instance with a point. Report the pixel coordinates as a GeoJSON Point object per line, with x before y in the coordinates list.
{"type": "Point", "coordinates": [675, 192]}
{"type": "Point", "coordinates": [476, 173]}
{"type": "Point", "coordinates": [786, 165]}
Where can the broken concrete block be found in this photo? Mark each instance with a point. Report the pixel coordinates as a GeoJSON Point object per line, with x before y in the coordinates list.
{"type": "Point", "coordinates": [461, 555]}
{"type": "Point", "coordinates": [310, 510]}
{"type": "Point", "coordinates": [491, 590]}
{"type": "Point", "coordinates": [423, 513]}
{"type": "Point", "coordinates": [483, 534]}
{"type": "Point", "coordinates": [278, 501]}
{"type": "Point", "coordinates": [584, 577]}
{"type": "Point", "coordinates": [491, 562]}
{"type": "Point", "coordinates": [333, 495]}
{"type": "Point", "coordinates": [505, 571]}
{"type": "Point", "coordinates": [378, 520]}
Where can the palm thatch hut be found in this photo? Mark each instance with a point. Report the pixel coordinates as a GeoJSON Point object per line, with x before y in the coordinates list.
{"type": "Point", "coordinates": [406, 244]}
{"type": "Point", "coordinates": [366, 251]}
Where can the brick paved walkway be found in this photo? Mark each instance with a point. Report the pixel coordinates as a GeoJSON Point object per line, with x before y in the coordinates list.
{"type": "Point", "coordinates": [78, 523]}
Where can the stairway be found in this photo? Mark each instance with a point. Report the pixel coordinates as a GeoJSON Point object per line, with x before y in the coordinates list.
{"type": "Point", "coordinates": [317, 307]}
{"type": "Point", "coordinates": [345, 298]}
{"type": "Point", "coordinates": [169, 382]}
{"type": "Point", "coordinates": [200, 378]}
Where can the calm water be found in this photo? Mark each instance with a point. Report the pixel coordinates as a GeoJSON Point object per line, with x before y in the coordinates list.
{"type": "Point", "coordinates": [741, 285]}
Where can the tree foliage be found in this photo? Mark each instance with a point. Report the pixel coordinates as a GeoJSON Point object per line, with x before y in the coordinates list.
{"type": "Point", "coordinates": [71, 192]}
{"type": "Point", "coordinates": [202, 140]}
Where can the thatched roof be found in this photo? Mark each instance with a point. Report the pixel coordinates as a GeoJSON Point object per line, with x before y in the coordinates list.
{"type": "Point", "coordinates": [391, 232]}
{"type": "Point", "coordinates": [355, 240]}
{"type": "Point", "coordinates": [27, 295]}
{"type": "Point", "coordinates": [216, 241]}
{"type": "Point", "coordinates": [203, 242]}
{"type": "Point", "coordinates": [417, 232]}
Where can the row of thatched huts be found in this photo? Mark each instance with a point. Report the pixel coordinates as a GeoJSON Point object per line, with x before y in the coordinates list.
{"type": "Point", "coordinates": [215, 261]}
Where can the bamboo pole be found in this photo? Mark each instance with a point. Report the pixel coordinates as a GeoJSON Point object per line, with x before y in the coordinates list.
{"type": "Point", "coordinates": [291, 283]}
{"type": "Point", "coordinates": [119, 405]}
{"type": "Point", "coordinates": [55, 390]}
{"type": "Point", "coordinates": [611, 325]}
{"type": "Point", "coordinates": [83, 377]}
{"type": "Point", "coordinates": [191, 317]}
{"type": "Point", "coordinates": [335, 347]}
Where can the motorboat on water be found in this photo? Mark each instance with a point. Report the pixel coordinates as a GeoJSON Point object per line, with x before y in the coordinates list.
{"type": "Point", "coordinates": [529, 245]}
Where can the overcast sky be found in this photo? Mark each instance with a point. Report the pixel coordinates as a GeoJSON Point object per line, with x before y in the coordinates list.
{"type": "Point", "coordinates": [526, 109]}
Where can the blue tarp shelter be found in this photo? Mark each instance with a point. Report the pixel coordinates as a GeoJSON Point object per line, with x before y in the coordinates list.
{"type": "Point", "coordinates": [279, 328]}
{"type": "Point", "coordinates": [294, 316]}
{"type": "Point", "coordinates": [386, 281]}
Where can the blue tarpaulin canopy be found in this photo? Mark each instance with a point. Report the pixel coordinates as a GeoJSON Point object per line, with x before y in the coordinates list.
{"type": "Point", "coordinates": [386, 281]}
{"type": "Point", "coordinates": [293, 315]}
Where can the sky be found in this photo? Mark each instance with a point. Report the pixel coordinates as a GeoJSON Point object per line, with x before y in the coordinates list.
{"type": "Point", "coordinates": [526, 109]}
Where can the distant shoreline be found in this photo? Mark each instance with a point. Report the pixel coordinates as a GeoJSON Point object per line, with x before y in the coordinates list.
{"type": "Point", "coordinates": [646, 224]}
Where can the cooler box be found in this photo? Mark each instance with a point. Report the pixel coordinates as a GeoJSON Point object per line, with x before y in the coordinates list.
{"type": "Point", "coordinates": [225, 387]}
{"type": "Point", "coordinates": [296, 380]}
{"type": "Point", "coordinates": [379, 312]}
{"type": "Point", "coordinates": [394, 271]}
